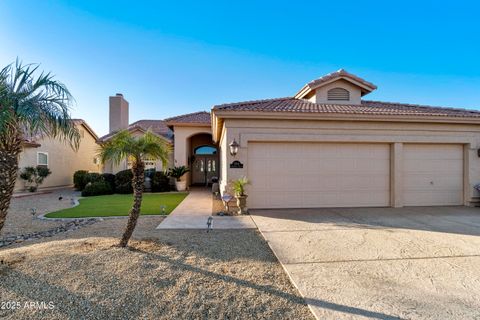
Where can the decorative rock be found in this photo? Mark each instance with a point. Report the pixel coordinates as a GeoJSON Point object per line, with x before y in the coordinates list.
{"type": "Point", "coordinates": [69, 226]}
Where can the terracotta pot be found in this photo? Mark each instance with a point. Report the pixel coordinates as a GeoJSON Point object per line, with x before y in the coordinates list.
{"type": "Point", "coordinates": [242, 204]}
{"type": "Point", "coordinates": [181, 185]}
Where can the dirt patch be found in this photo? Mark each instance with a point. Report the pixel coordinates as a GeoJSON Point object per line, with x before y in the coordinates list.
{"type": "Point", "coordinates": [167, 274]}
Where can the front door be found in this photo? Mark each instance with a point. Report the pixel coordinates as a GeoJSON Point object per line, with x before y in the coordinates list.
{"type": "Point", "coordinates": [204, 168]}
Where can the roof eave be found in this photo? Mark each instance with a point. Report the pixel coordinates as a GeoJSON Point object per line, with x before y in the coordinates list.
{"type": "Point", "coordinates": [231, 114]}
{"type": "Point", "coordinates": [31, 144]}
{"type": "Point", "coordinates": [188, 124]}
{"type": "Point", "coordinates": [89, 129]}
{"type": "Point", "coordinates": [309, 87]}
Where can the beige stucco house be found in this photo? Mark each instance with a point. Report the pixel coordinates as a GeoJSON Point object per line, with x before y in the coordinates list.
{"type": "Point", "coordinates": [60, 158]}
{"type": "Point", "coordinates": [328, 147]}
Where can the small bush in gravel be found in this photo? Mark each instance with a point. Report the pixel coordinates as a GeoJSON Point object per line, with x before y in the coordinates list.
{"type": "Point", "coordinates": [110, 179]}
{"type": "Point", "coordinates": [79, 179]}
{"type": "Point", "coordinates": [34, 176]}
{"type": "Point", "coordinates": [160, 182]}
{"type": "Point", "coordinates": [97, 188]}
{"type": "Point", "coordinates": [123, 182]}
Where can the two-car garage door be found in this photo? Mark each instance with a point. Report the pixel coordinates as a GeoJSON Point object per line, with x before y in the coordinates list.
{"type": "Point", "coordinates": [308, 175]}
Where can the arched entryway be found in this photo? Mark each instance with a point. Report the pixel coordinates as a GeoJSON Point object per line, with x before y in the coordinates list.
{"type": "Point", "coordinates": [203, 160]}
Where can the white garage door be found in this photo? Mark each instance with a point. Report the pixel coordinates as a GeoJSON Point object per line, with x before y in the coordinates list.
{"type": "Point", "coordinates": [303, 175]}
{"type": "Point", "coordinates": [433, 175]}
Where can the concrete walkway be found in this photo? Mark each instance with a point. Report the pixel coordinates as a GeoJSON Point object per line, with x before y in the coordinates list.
{"type": "Point", "coordinates": [194, 211]}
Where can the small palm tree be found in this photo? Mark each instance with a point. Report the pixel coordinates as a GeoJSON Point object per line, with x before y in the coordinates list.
{"type": "Point", "coordinates": [31, 105]}
{"type": "Point", "coordinates": [124, 146]}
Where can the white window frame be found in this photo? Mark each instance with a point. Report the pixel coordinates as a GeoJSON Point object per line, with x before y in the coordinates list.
{"type": "Point", "coordinates": [45, 153]}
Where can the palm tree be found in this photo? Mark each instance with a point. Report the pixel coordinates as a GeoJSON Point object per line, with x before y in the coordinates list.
{"type": "Point", "coordinates": [124, 146]}
{"type": "Point", "coordinates": [31, 105]}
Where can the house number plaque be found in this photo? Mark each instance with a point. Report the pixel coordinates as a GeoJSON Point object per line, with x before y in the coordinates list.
{"type": "Point", "coordinates": [236, 165]}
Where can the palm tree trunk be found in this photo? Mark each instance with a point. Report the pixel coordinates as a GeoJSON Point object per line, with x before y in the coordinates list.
{"type": "Point", "coordinates": [138, 179]}
{"type": "Point", "coordinates": [10, 148]}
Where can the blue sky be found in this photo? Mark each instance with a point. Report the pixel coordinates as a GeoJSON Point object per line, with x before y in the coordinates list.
{"type": "Point", "coordinates": [174, 57]}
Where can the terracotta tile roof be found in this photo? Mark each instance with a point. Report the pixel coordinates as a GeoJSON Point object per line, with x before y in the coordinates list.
{"type": "Point", "coordinates": [156, 126]}
{"type": "Point", "coordinates": [202, 117]}
{"type": "Point", "coordinates": [366, 107]}
{"type": "Point", "coordinates": [339, 74]}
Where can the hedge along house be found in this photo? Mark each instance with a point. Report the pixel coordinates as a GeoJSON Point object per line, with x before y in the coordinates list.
{"type": "Point", "coordinates": [189, 134]}
{"type": "Point", "coordinates": [327, 147]}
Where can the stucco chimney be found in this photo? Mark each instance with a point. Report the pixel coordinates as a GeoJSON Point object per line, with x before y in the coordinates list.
{"type": "Point", "coordinates": [118, 112]}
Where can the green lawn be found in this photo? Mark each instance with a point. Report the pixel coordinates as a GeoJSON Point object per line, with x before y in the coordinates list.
{"type": "Point", "coordinates": [120, 204]}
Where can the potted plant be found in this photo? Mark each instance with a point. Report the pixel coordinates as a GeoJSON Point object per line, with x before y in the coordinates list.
{"type": "Point", "coordinates": [238, 187]}
{"type": "Point", "coordinates": [34, 176]}
{"type": "Point", "coordinates": [178, 173]}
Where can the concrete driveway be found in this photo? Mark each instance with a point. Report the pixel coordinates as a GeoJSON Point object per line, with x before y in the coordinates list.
{"type": "Point", "coordinates": [380, 263]}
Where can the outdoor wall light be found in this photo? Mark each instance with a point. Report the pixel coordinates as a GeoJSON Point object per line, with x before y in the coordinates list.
{"type": "Point", "coordinates": [234, 147]}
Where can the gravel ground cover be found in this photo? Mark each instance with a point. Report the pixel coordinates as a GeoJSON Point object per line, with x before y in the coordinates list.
{"type": "Point", "coordinates": [167, 274]}
{"type": "Point", "coordinates": [20, 219]}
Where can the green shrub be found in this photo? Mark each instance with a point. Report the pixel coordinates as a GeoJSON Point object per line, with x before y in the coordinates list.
{"type": "Point", "coordinates": [110, 179]}
{"type": "Point", "coordinates": [123, 182]}
{"type": "Point", "coordinates": [160, 182]}
{"type": "Point", "coordinates": [79, 179]}
{"type": "Point", "coordinates": [177, 172]}
{"type": "Point", "coordinates": [92, 177]}
{"type": "Point", "coordinates": [97, 188]}
{"type": "Point", "coordinates": [34, 176]}
{"type": "Point", "coordinates": [238, 186]}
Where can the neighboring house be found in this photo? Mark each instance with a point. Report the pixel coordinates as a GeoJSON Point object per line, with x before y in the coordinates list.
{"type": "Point", "coordinates": [60, 158]}
{"type": "Point", "coordinates": [327, 147]}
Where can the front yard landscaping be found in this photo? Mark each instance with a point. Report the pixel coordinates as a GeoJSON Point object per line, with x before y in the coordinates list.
{"type": "Point", "coordinates": [167, 274]}
{"type": "Point", "coordinates": [120, 204]}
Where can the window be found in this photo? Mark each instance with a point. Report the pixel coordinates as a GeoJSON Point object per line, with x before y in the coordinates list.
{"type": "Point", "coordinates": [42, 158]}
{"type": "Point", "coordinates": [205, 150]}
{"type": "Point", "coordinates": [338, 94]}
{"type": "Point", "coordinates": [211, 167]}
{"type": "Point", "coordinates": [150, 163]}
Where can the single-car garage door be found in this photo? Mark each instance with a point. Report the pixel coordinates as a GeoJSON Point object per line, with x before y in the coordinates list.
{"type": "Point", "coordinates": [303, 175]}
{"type": "Point", "coordinates": [432, 174]}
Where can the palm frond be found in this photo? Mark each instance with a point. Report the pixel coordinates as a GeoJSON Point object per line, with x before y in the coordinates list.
{"type": "Point", "coordinates": [154, 147]}
{"type": "Point", "coordinates": [123, 145]}
{"type": "Point", "coordinates": [38, 105]}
